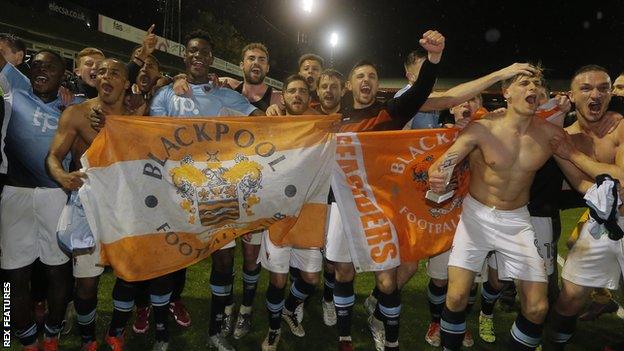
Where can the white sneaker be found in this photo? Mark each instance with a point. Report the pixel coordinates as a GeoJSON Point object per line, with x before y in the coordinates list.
{"type": "Point", "coordinates": [299, 313]}
{"type": "Point", "coordinates": [370, 304]}
{"type": "Point", "coordinates": [70, 317]}
{"type": "Point", "coordinates": [329, 313]}
{"type": "Point", "coordinates": [228, 321]}
{"type": "Point", "coordinates": [379, 334]}
{"type": "Point", "coordinates": [243, 322]}
{"type": "Point", "coordinates": [219, 343]}
{"type": "Point", "coordinates": [271, 340]}
{"type": "Point", "coordinates": [291, 319]}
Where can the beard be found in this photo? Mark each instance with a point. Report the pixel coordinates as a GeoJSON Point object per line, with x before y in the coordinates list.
{"type": "Point", "coordinates": [254, 81]}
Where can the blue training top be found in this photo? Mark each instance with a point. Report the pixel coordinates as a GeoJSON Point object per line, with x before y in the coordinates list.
{"type": "Point", "coordinates": [205, 101]}
{"type": "Point", "coordinates": [28, 128]}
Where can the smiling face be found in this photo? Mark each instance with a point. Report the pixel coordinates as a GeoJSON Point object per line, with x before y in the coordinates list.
{"type": "Point", "coordinates": [46, 71]}
{"type": "Point", "coordinates": [112, 81]}
{"type": "Point", "coordinates": [296, 97]}
{"type": "Point", "coordinates": [523, 93]}
{"type": "Point", "coordinates": [364, 83]}
{"type": "Point", "coordinates": [255, 66]}
{"type": "Point", "coordinates": [198, 59]}
{"type": "Point", "coordinates": [591, 93]}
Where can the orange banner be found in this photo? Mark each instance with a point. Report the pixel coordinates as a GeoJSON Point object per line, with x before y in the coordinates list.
{"type": "Point", "coordinates": [380, 183]}
{"type": "Point", "coordinates": [164, 193]}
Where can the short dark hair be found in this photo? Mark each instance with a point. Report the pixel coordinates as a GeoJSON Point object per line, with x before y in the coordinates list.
{"type": "Point", "coordinates": [589, 68]}
{"type": "Point", "coordinates": [359, 64]}
{"type": "Point", "coordinates": [199, 34]}
{"type": "Point", "coordinates": [15, 43]}
{"type": "Point", "coordinates": [294, 78]}
{"type": "Point", "coordinates": [332, 73]}
{"type": "Point", "coordinates": [58, 56]}
{"type": "Point", "coordinates": [312, 57]}
{"type": "Point", "coordinates": [253, 46]}
{"type": "Point", "coordinates": [414, 56]}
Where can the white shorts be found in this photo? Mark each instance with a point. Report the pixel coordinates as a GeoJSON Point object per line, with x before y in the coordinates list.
{"type": "Point", "coordinates": [28, 220]}
{"type": "Point", "coordinates": [88, 266]}
{"type": "Point", "coordinates": [437, 268]}
{"type": "Point", "coordinates": [254, 238]}
{"type": "Point", "coordinates": [482, 229]}
{"type": "Point", "coordinates": [279, 259]}
{"type": "Point", "coordinates": [229, 245]}
{"type": "Point", "coordinates": [595, 261]}
{"type": "Point", "coordinates": [544, 244]}
{"type": "Point", "coordinates": [336, 244]}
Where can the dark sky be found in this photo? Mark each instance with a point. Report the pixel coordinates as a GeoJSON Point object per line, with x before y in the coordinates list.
{"type": "Point", "coordinates": [481, 35]}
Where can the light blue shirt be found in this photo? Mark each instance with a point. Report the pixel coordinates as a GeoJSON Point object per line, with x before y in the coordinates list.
{"type": "Point", "coordinates": [28, 128]}
{"type": "Point", "coordinates": [205, 101]}
{"type": "Point", "coordinates": [421, 120]}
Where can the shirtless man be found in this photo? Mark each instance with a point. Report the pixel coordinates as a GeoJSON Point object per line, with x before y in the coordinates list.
{"type": "Point", "coordinates": [75, 135]}
{"type": "Point", "coordinates": [595, 261]}
{"type": "Point", "coordinates": [503, 154]}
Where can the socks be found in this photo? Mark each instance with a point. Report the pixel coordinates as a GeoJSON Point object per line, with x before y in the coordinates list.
{"type": "Point", "coordinates": [563, 328]}
{"type": "Point", "coordinates": [123, 303]}
{"type": "Point", "coordinates": [275, 305]}
{"type": "Point", "coordinates": [472, 298]}
{"type": "Point", "coordinates": [299, 292]}
{"type": "Point", "coordinates": [344, 299]}
{"type": "Point", "coordinates": [85, 316]}
{"type": "Point", "coordinates": [525, 335]}
{"type": "Point", "coordinates": [452, 328]}
{"type": "Point", "coordinates": [436, 296]}
{"type": "Point", "coordinates": [489, 296]}
{"type": "Point", "coordinates": [250, 284]}
{"type": "Point", "coordinates": [160, 306]}
{"type": "Point", "coordinates": [221, 287]}
{"type": "Point", "coordinates": [52, 331]}
{"type": "Point", "coordinates": [329, 280]}
{"type": "Point", "coordinates": [28, 335]}
{"type": "Point", "coordinates": [389, 306]}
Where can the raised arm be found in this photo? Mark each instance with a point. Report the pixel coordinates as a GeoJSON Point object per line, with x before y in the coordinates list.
{"type": "Point", "coordinates": [138, 58]}
{"type": "Point", "coordinates": [408, 104]}
{"type": "Point", "coordinates": [468, 90]}
{"type": "Point", "coordinates": [64, 137]}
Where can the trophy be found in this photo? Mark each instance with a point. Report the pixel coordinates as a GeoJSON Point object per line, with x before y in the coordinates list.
{"type": "Point", "coordinates": [447, 167]}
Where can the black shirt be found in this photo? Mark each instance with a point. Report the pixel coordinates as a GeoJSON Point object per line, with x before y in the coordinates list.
{"type": "Point", "coordinates": [394, 113]}
{"type": "Point", "coordinates": [264, 102]}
